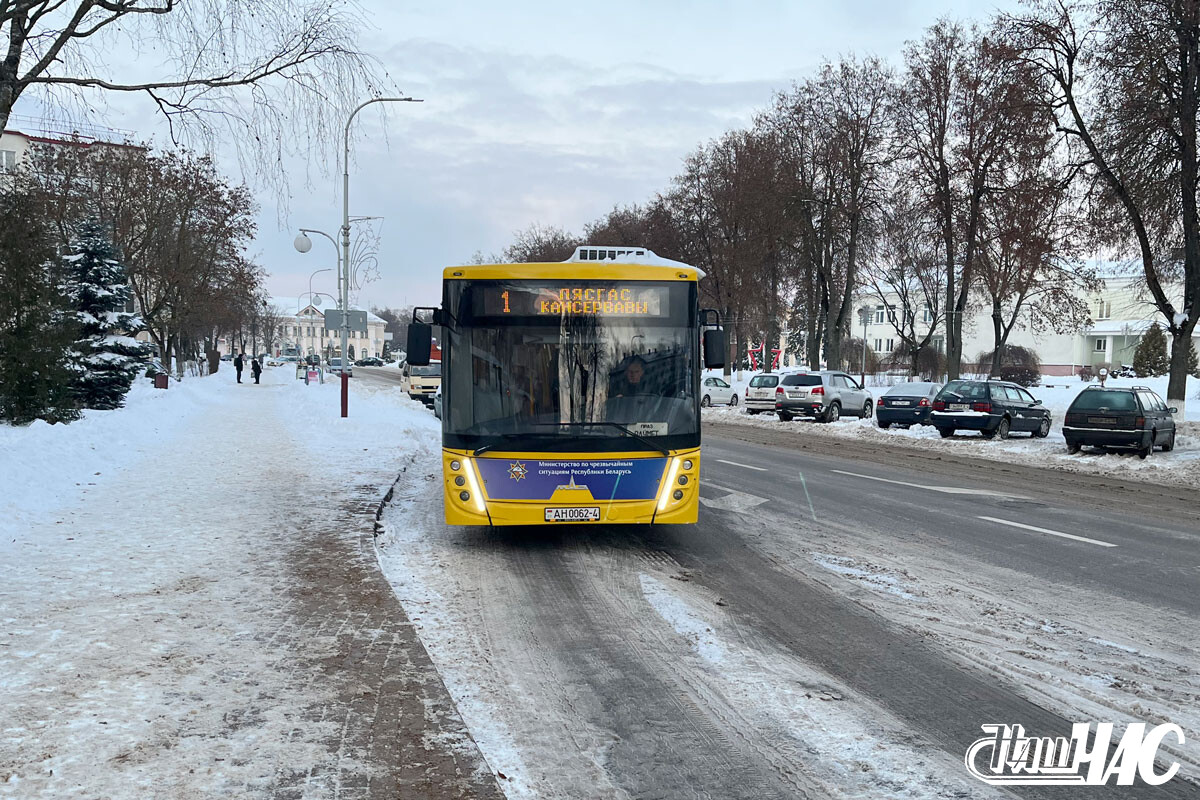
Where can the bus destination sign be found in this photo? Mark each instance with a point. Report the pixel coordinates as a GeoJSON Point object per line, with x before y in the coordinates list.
{"type": "Point", "coordinates": [570, 301]}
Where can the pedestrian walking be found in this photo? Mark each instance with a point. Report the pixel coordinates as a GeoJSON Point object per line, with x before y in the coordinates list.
{"type": "Point", "coordinates": [256, 368]}
{"type": "Point", "coordinates": [238, 363]}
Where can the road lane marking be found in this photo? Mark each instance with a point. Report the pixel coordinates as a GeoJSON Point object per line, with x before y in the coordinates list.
{"type": "Point", "coordinates": [1047, 531]}
{"type": "Point", "coordinates": [942, 489]}
{"type": "Point", "coordinates": [736, 464]}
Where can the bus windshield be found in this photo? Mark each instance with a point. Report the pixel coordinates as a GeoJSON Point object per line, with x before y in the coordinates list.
{"type": "Point", "coordinates": [560, 365]}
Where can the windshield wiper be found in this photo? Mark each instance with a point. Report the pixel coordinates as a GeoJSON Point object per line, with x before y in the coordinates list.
{"type": "Point", "coordinates": [504, 437]}
{"type": "Point", "coordinates": [616, 425]}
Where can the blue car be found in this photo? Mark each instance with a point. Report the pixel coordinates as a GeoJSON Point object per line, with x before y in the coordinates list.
{"type": "Point", "coordinates": [906, 404]}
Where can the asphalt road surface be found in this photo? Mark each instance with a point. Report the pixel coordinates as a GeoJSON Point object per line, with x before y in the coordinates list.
{"type": "Point", "coordinates": [830, 587]}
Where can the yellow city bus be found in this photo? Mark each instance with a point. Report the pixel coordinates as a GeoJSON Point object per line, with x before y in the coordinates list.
{"type": "Point", "coordinates": [570, 390]}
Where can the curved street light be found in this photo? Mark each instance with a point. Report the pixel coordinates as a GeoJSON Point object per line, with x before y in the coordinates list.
{"type": "Point", "coordinates": [345, 253]}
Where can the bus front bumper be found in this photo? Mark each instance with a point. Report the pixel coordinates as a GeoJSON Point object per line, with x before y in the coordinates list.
{"type": "Point", "coordinates": [466, 502]}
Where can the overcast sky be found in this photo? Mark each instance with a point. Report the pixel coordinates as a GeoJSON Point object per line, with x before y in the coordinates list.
{"type": "Point", "coordinates": [548, 112]}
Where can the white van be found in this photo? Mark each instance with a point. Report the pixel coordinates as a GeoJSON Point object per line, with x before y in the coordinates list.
{"type": "Point", "coordinates": [421, 382]}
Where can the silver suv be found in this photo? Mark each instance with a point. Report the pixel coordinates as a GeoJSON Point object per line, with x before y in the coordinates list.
{"type": "Point", "coordinates": [824, 394]}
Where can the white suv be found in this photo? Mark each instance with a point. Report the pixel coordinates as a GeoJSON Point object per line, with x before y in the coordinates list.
{"type": "Point", "coordinates": [760, 394]}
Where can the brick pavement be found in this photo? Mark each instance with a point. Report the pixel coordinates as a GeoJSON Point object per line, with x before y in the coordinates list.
{"type": "Point", "coordinates": [400, 734]}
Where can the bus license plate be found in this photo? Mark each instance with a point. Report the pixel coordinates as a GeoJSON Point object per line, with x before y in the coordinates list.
{"type": "Point", "coordinates": [574, 514]}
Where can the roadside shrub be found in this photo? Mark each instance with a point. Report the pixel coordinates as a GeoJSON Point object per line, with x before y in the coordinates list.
{"type": "Point", "coordinates": [1024, 376]}
{"type": "Point", "coordinates": [1014, 356]}
{"type": "Point", "coordinates": [852, 356]}
{"type": "Point", "coordinates": [1085, 373]}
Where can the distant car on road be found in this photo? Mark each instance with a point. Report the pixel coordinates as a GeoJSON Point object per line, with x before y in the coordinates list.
{"type": "Point", "coordinates": [823, 394]}
{"type": "Point", "coordinates": [906, 404]}
{"type": "Point", "coordinates": [369, 361]}
{"type": "Point", "coordinates": [1131, 418]}
{"type": "Point", "coordinates": [760, 394]}
{"type": "Point", "coordinates": [421, 382]}
{"type": "Point", "coordinates": [336, 367]}
{"type": "Point", "coordinates": [717, 392]}
{"type": "Point", "coordinates": [990, 407]}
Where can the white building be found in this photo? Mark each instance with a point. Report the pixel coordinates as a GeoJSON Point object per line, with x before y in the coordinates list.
{"type": "Point", "coordinates": [25, 132]}
{"type": "Point", "coordinates": [1120, 313]}
{"type": "Point", "coordinates": [302, 332]}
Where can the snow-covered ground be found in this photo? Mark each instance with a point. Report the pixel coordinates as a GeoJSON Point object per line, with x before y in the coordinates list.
{"type": "Point", "coordinates": [1182, 465]}
{"type": "Point", "coordinates": [145, 646]}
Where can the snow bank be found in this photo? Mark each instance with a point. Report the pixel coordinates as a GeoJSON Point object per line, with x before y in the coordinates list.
{"type": "Point", "coordinates": [43, 463]}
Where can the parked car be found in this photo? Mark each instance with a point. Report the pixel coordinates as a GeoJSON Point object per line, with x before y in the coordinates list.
{"type": "Point", "coordinates": [716, 391]}
{"type": "Point", "coordinates": [227, 357]}
{"type": "Point", "coordinates": [990, 407]}
{"type": "Point", "coordinates": [336, 366]}
{"type": "Point", "coordinates": [437, 402]}
{"type": "Point", "coordinates": [760, 394]}
{"type": "Point", "coordinates": [824, 395]}
{"type": "Point", "coordinates": [906, 404]}
{"type": "Point", "coordinates": [1130, 418]}
{"type": "Point", "coordinates": [369, 361]}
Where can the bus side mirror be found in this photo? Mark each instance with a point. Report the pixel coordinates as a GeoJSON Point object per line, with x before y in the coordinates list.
{"type": "Point", "coordinates": [420, 342]}
{"type": "Point", "coordinates": [714, 348]}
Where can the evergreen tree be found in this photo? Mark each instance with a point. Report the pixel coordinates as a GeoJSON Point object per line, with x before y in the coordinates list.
{"type": "Point", "coordinates": [1150, 359]}
{"type": "Point", "coordinates": [106, 358]}
{"type": "Point", "coordinates": [1193, 365]}
{"type": "Point", "coordinates": [35, 325]}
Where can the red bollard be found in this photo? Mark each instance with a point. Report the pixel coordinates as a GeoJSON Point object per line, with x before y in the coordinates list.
{"type": "Point", "coordinates": [345, 392]}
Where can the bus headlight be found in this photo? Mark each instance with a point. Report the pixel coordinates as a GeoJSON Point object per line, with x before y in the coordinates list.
{"type": "Point", "coordinates": [665, 494]}
{"type": "Point", "coordinates": [459, 480]}
{"type": "Point", "coordinates": [474, 494]}
{"type": "Point", "coordinates": [454, 465]}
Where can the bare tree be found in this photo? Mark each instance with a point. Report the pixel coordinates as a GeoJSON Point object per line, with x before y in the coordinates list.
{"type": "Point", "coordinates": [268, 77]}
{"type": "Point", "coordinates": [965, 107]}
{"type": "Point", "coordinates": [834, 132]}
{"type": "Point", "coordinates": [1030, 267]}
{"type": "Point", "coordinates": [539, 243]}
{"type": "Point", "coordinates": [905, 274]}
{"type": "Point", "coordinates": [1121, 78]}
{"type": "Point", "coordinates": [182, 230]}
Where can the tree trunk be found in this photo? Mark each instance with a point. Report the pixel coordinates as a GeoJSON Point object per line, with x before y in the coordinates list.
{"type": "Point", "coordinates": [999, 336]}
{"type": "Point", "coordinates": [1181, 346]}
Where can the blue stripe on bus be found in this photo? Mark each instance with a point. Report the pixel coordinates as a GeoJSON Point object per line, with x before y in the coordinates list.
{"type": "Point", "coordinates": [534, 479]}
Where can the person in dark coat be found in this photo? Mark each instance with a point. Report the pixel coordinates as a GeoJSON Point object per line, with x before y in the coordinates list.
{"type": "Point", "coordinates": [256, 368]}
{"type": "Point", "coordinates": [238, 363]}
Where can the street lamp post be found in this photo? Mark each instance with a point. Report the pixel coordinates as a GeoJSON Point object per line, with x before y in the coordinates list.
{"type": "Point", "coordinates": [345, 254]}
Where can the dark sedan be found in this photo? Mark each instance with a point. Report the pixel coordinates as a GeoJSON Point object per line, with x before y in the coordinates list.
{"type": "Point", "coordinates": [990, 407]}
{"type": "Point", "coordinates": [906, 404]}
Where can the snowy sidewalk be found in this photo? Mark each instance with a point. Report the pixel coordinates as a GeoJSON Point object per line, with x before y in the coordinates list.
{"type": "Point", "coordinates": [210, 621]}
